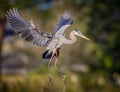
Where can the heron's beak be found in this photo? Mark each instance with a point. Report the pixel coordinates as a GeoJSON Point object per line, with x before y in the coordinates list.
{"type": "Point", "coordinates": [82, 36]}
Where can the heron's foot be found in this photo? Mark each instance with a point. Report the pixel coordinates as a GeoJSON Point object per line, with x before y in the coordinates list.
{"type": "Point", "coordinates": [50, 81]}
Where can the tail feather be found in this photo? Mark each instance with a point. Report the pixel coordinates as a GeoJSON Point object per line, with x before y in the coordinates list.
{"type": "Point", "coordinates": [47, 55]}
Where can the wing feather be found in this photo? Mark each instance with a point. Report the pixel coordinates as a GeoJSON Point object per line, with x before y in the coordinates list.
{"type": "Point", "coordinates": [63, 23]}
{"type": "Point", "coordinates": [26, 30]}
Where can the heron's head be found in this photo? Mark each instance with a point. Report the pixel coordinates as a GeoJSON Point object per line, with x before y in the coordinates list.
{"type": "Point", "coordinates": [78, 33]}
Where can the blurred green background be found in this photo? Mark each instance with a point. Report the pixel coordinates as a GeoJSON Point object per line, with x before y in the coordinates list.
{"type": "Point", "coordinates": [88, 66]}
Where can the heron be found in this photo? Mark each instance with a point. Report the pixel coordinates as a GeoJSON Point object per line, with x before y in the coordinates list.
{"type": "Point", "coordinates": [51, 41]}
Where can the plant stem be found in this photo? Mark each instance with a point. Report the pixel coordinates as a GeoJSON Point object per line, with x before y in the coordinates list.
{"type": "Point", "coordinates": [64, 83]}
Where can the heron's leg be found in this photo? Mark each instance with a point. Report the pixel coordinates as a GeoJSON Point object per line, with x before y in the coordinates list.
{"type": "Point", "coordinates": [54, 51]}
{"type": "Point", "coordinates": [56, 63]}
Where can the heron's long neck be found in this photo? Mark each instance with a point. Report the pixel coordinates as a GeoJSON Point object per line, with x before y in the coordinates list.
{"type": "Point", "coordinates": [72, 37]}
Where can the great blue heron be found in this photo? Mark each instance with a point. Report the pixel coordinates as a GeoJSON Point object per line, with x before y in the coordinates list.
{"type": "Point", "coordinates": [51, 41]}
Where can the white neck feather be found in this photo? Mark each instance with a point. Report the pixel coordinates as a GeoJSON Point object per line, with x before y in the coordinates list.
{"type": "Point", "coordinates": [72, 37]}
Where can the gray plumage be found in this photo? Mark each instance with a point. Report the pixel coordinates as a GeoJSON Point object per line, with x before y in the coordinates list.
{"type": "Point", "coordinates": [27, 31]}
{"type": "Point", "coordinates": [63, 21]}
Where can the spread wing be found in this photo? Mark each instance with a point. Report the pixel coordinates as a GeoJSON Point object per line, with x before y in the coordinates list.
{"type": "Point", "coordinates": [27, 31]}
{"type": "Point", "coordinates": [63, 23]}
